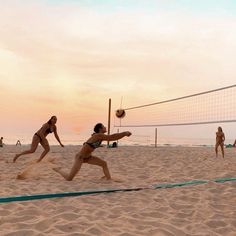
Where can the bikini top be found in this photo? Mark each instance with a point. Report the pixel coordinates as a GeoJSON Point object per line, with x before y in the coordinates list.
{"type": "Point", "coordinates": [49, 130]}
{"type": "Point", "coordinates": [94, 144]}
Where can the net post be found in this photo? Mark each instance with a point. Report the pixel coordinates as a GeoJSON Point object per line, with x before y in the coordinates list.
{"type": "Point", "coordinates": [118, 131]}
{"type": "Point", "coordinates": [109, 119]}
{"type": "Point", "coordinates": [155, 137]}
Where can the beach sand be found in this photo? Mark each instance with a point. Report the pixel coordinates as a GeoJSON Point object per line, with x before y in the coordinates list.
{"type": "Point", "coordinates": [206, 209]}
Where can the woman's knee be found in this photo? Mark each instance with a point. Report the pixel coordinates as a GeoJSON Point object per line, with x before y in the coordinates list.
{"type": "Point", "coordinates": [104, 164]}
{"type": "Point", "coordinates": [32, 150]}
{"type": "Point", "coordinates": [47, 149]}
{"type": "Point", "coordinates": [78, 157]}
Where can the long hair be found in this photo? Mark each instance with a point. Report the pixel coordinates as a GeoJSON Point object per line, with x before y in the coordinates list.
{"type": "Point", "coordinates": [220, 129]}
{"type": "Point", "coordinates": [50, 121]}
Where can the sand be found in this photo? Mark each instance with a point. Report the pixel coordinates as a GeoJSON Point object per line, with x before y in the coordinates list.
{"type": "Point", "coordinates": [207, 209]}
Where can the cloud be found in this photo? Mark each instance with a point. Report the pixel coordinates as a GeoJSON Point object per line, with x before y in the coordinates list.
{"type": "Point", "coordinates": [71, 58]}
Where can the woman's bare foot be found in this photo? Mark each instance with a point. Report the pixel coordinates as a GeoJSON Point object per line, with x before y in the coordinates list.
{"type": "Point", "coordinates": [104, 177]}
{"type": "Point", "coordinates": [117, 180]}
{"type": "Point", "coordinates": [112, 179]}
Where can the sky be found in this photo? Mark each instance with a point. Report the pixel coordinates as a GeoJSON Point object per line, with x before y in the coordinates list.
{"type": "Point", "coordinates": [68, 57]}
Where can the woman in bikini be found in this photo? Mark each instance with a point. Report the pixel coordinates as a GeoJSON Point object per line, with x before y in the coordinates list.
{"type": "Point", "coordinates": [85, 154]}
{"type": "Point", "coordinates": [40, 137]}
{"type": "Point", "coordinates": [234, 145]}
{"type": "Point", "coordinates": [220, 138]}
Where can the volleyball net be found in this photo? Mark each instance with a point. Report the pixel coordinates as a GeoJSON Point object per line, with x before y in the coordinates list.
{"type": "Point", "coordinates": [209, 107]}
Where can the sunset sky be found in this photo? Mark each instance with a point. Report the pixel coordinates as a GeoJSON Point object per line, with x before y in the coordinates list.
{"type": "Point", "coordinates": [68, 57]}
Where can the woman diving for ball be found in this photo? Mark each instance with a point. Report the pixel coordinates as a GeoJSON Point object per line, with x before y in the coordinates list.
{"type": "Point", "coordinates": [85, 154]}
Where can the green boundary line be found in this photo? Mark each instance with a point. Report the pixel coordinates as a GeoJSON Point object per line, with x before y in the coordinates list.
{"type": "Point", "coordinates": [89, 192]}
{"type": "Point", "coordinates": [172, 185]}
{"type": "Point", "coordinates": [222, 180]}
{"type": "Point", "coordinates": [63, 194]}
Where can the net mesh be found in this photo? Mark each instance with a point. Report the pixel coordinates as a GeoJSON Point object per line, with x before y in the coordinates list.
{"type": "Point", "coordinates": [214, 106]}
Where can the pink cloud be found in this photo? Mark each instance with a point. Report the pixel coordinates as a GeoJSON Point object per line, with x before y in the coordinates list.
{"type": "Point", "coordinates": [72, 59]}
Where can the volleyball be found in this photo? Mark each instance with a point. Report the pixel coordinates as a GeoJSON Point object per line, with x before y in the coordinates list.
{"type": "Point", "coordinates": [120, 113]}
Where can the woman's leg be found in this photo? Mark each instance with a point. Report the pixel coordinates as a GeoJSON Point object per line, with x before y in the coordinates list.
{"type": "Point", "coordinates": [216, 149]}
{"type": "Point", "coordinates": [74, 170]}
{"type": "Point", "coordinates": [222, 150]}
{"type": "Point", "coordinates": [99, 162]}
{"type": "Point", "coordinates": [46, 147]}
{"type": "Point", "coordinates": [34, 145]}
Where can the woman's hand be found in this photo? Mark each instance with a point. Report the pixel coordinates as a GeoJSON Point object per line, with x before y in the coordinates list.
{"type": "Point", "coordinates": [128, 133]}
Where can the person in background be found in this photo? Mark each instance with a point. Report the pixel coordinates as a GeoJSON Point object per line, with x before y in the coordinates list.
{"type": "Point", "coordinates": [40, 137]}
{"type": "Point", "coordinates": [220, 138]}
{"type": "Point", "coordinates": [234, 145]}
{"type": "Point", "coordinates": [1, 142]}
{"type": "Point", "coordinates": [18, 142]}
{"type": "Point", "coordinates": [114, 144]}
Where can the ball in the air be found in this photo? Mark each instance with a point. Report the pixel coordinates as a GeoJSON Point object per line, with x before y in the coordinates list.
{"type": "Point", "coordinates": [120, 113]}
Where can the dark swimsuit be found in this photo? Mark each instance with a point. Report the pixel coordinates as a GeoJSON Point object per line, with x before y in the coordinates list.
{"type": "Point", "coordinates": [47, 132]}
{"type": "Point", "coordinates": [94, 145]}
{"type": "Point", "coordinates": [38, 136]}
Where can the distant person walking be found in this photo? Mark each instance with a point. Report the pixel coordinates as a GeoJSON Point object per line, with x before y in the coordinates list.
{"type": "Point", "coordinates": [220, 138]}
{"type": "Point", "coordinates": [40, 137]}
{"type": "Point", "coordinates": [1, 142]}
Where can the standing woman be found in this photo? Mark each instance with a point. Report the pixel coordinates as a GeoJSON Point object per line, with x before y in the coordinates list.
{"type": "Point", "coordinates": [85, 154]}
{"type": "Point", "coordinates": [40, 137]}
{"type": "Point", "coordinates": [220, 138]}
{"type": "Point", "coordinates": [234, 145]}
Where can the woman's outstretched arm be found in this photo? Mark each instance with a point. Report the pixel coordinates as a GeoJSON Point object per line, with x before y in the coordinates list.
{"type": "Point", "coordinates": [113, 137]}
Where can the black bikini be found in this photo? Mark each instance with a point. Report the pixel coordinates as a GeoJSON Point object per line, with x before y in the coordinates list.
{"type": "Point", "coordinates": [94, 145]}
{"type": "Point", "coordinates": [38, 136]}
{"type": "Point", "coordinates": [47, 132]}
